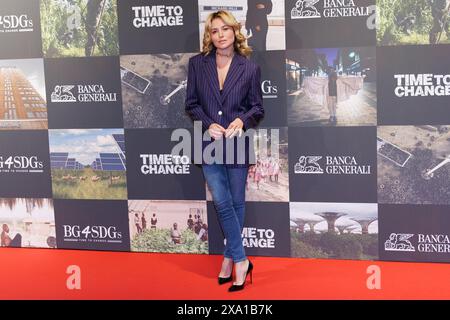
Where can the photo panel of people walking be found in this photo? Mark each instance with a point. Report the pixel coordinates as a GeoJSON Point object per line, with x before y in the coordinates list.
{"type": "Point", "coordinates": [331, 87]}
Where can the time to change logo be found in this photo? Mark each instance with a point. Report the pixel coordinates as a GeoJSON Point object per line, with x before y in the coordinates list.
{"type": "Point", "coordinates": [164, 164]}
{"type": "Point", "coordinates": [422, 85]}
{"type": "Point", "coordinates": [157, 16]}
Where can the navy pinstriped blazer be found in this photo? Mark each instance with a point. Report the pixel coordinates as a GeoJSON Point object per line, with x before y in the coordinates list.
{"type": "Point", "coordinates": [241, 96]}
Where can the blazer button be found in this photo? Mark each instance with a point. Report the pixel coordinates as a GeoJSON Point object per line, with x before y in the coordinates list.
{"type": "Point", "coordinates": [219, 113]}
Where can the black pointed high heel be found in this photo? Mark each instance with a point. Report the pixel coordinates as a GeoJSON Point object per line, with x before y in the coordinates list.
{"type": "Point", "coordinates": [225, 280]}
{"type": "Point", "coordinates": [237, 287]}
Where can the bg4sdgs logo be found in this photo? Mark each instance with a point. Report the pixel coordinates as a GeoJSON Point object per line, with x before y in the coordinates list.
{"type": "Point", "coordinates": [15, 23]}
{"type": "Point", "coordinates": [92, 233]}
{"type": "Point", "coordinates": [20, 164]}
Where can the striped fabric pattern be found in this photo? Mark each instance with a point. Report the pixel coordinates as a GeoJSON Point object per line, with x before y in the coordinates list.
{"type": "Point", "coordinates": [241, 96]}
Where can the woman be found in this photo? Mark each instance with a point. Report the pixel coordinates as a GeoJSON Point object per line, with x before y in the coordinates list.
{"type": "Point", "coordinates": [332, 95]}
{"type": "Point", "coordinates": [256, 22]}
{"type": "Point", "coordinates": [224, 93]}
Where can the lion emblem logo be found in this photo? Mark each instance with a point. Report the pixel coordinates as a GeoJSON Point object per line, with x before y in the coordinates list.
{"type": "Point", "coordinates": [308, 164]}
{"type": "Point", "coordinates": [305, 9]}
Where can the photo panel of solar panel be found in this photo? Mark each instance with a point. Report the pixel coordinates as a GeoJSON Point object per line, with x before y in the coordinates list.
{"type": "Point", "coordinates": [78, 166]}
{"type": "Point", "coordinates": [111, 162]}
{"type": "Point", "coordinates": [58, 160]}
{"type": "Point", "coordinates": [96, 164]}
{"type": "Point", "coordinates": [71, 163]}
{"type": "Point", "coordinates": [120, 139]}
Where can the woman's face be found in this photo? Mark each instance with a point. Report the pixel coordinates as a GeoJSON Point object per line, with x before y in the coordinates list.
{"type": "Point", "coordinates": [222, 35]}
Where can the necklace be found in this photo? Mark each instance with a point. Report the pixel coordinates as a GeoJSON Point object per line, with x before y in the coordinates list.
{"type": "Point", "coordinates": [224, 55]}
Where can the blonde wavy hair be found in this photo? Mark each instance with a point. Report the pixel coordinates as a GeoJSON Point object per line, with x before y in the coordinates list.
{"type": "Point", "coordinates": [240, 42]}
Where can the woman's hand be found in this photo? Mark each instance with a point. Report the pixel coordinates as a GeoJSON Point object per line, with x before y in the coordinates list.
{"type": "Point", "coordinates": [216, 131]}
{"type": "Point", "coordinates": [234, 128]}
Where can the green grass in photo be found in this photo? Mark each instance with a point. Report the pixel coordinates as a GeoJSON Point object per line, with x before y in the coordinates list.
{"type": "Point", "coordinates": [88, 184]}
{"type": "Point", "coordinates": [409, 22]}
{"type": "Point", "coordinates": [334, 246]}
{"type": "Point", "coordinates": [79, 28]}
{"type": "Point", "coordinates": [159, 240]}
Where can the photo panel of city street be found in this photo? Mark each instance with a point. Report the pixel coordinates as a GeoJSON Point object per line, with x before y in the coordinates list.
{"type": "Point", "coordinates": [331, 87]}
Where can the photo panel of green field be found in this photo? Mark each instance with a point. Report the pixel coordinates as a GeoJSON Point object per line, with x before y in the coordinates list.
{"type": "Point", "coordinates": [413, 22]}
{"type": "Point", "coordinates": [27, 222]}
{"type": "Point", "coordinates": [179, 226]}
{"type": "Point", "coordinates": [79, 28]}
{"type": "Point", "coordinates": [334, 230]}
{"type": "Point", "coordinates": [88, 164]}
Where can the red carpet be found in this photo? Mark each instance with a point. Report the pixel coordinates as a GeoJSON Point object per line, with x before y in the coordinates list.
{"type": "Point", "coordinates": [42, 274]}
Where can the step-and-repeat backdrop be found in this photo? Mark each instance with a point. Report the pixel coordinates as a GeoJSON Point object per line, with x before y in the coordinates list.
{"type": "Point", "coordinates": [91, 91]}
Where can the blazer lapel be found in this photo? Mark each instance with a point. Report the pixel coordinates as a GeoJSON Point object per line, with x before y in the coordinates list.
{"type": "Point", "coordinates": [212, 77]}
{"type": "Point", "coordinates": [234, 73]}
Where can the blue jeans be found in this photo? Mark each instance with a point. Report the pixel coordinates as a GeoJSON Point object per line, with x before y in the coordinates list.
{"type": "Point", "coordinates": [227, 186]}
